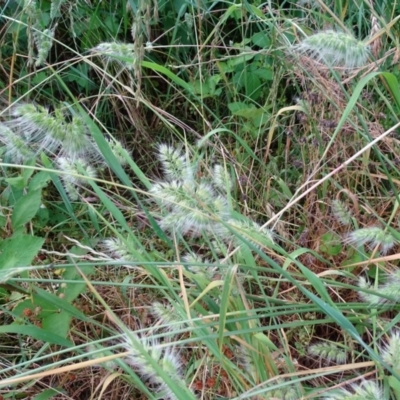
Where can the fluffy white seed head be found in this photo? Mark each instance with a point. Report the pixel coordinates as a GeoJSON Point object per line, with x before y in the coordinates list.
{"type": "Point", "coordinates": [367, 390]}
{"type": "Point", "coordinates": [119, 151]}
{"type": "Point", "coordinates": [372, 235]}
{"type": "Point", "coordinates": [122, 54]}
{"type": "Point", "coordinates": [174, 163]}
{"type": "Point", "coordinates": [221, 179]}
{"type": "Point", "coordinates": [341, 212]}
{"type": "Point", "coordinates": [367, 297]}
{"type": "Point", "coordinates": [167, 316]}
{"type": "Point", "coordinates": [390, 353]}
{"type": "Point", "coordinates": [72, 177]}
{"type": "Point", "coordinates": [328, 351]}
{"type": "Point", "coordinates": [335, 49]}
{"type": "Point", "coordinates": [16, 148]}
{"type": "Point", "coordinates": [52, 132]}
{"type": "Point", "coordinates": [167, 358]}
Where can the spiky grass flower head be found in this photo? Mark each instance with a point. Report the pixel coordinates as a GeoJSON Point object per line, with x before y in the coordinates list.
{"type": "Point", "coordinates": [15, 146]}
{"type": "Point", "coordinates": [44, 43]}
{"type": "Point", "coordinates": [391, 352]}
{"type": "Point", "coordinates": [174, 163]}
{"type": "Point", "coordinates": [335, 49]}
{"type": "Point", "coordinates": [119, 151]}
{"type": "Point", "coordinates": [50, 132]}
{"type": "Point", "coordinates": [167, 316]}
{"type": "Point", "coordinates": [389, 292]}
{"type": "Point", "coordinates": [328, 351]}
{"type": "Point", "coordinates": [250, 230]}
{"type": "Point", "coordinates": [341, 212]}
{"type": "Point", "coordinates": [72, 177]}
{"type": "Point", "coordinates": [122, 249]}
{"type": "Point", "coordinates": [372, 235]}
{"type": "Point", "coordinates": [202, 268]}
{"type": "Point", "coordinates": [166, 357]}
{"type": "Point", "coordinates": [367, 390]}
{"type": "Point", "coordinates": [120, 53]}
{"type": "Point", "coordinates": [367, 297]}
{"type": "Point", "coordinates": [287, 391]}
{"type": "Point", "coordinates": [221, 179]}
{"type": "Point", "coordinates": [192, 209]}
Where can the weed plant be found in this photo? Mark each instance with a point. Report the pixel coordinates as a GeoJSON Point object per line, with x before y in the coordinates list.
{"type": "Point", "coordinates": [199, 200]}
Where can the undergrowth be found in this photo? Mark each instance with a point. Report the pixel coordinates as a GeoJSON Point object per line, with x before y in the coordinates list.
{"type": "Point", "coordinates": [199, 200]}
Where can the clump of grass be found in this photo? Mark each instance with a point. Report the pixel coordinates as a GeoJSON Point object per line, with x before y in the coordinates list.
{"type": "Point", "coordinates": [51, 131]}
{"type": "Point", "coordinates": [199, 206]}
{"type": "Point", "coordinates": [31, 129]}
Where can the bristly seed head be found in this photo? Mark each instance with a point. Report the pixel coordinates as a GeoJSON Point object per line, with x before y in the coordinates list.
{"type": "Point", "coordinates": [341, 212]}
{"type": "Point", "coordinates": [373, 235]}
{"type": "Point", "coordinates": [52, 132]}
{"type": "Point", "coordinates": [72, 177]}
{"type": "Point", "coordinates": [120, 53]}
{"type": "Point", "coordinates": [391, 352]}
{"type": "Point", "coordinates": [328, 351]}
{"type": "Point", "coordinates": [367, 390]}
{"type": "Point", "coordinates": [166, 358]}
{"type": "Point", "coordinates": [335, 49]}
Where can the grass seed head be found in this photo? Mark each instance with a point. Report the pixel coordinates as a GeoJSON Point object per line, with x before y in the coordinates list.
{"type": "Point", "coordinates": [391, 352]}
{"type": "Point", "coordinates": [373, 235]}
{"type": "Point", "coordinates": [341, 212]}
{"type": "Point", "coordinates": [173, 162]}
{"type": "Point", "coordinates": [166, 358]}
{"type": "Point", "coordinates": [329, 352]}
{"type": "Point", "coordinates": [16, 147]}
{"type": "Point", "coordinates": [367, 390]}
{"type": "Point", "coordinates": [335, 49]}
{"type": "Point", "coordinates": [72, 177]}
{"type": "Point", "coordinates": [167, 316]}
{"type": "Point", "coordinates": [119, 53]}
{"type": "Point", "coordinates": [367, 297]}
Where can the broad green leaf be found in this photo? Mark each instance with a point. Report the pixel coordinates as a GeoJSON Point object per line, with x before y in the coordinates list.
{"type": "Point", "coordinates": [261, 39]}
{"type": "Point", "coordinates": [264, 73]}
{"type": "Point", "coordinates": [26, 208]}
{"type": "Point", "coordinates": [331, 244]}
{"type": "Point", "coordinates": [21, 249]}
{"type": "Point", "coordinates": [17, 182]}
{"type": "Point", "coordinates": [57, 323]}
{"type": "Point", "coordinates": [39, 181]}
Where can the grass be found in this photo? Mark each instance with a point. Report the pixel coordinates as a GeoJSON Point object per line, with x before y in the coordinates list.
{"type": "Point", "coordinates": [199, 200]}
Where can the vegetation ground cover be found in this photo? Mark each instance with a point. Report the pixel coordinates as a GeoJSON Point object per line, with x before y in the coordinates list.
{"type": "Point", "coordinates": [199, 199]}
